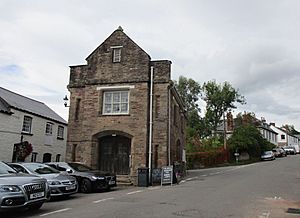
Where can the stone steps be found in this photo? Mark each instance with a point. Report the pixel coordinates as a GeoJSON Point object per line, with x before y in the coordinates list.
{"type": "Point", "coordinates": [124, 180]}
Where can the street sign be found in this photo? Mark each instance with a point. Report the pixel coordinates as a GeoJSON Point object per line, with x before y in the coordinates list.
{"type": "Point", "coordinates": [167, 175]}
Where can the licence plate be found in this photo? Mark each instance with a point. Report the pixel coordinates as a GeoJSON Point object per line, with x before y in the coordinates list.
{"type": "Point", "coordinates": [112, 182]}
{"type": "Point", "coordinates": [37, 195]}
{"type": "Point", "coordinates": [70, 187]}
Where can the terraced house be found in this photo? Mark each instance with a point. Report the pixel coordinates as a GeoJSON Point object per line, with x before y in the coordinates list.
{"type": "Point", "coordinates": [125, 112]}
{"type": "Point", "coordinates": [30, 130]}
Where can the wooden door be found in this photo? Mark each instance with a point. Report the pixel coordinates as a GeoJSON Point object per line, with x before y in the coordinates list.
{"type": "Point", "coordinates": [114, 154]}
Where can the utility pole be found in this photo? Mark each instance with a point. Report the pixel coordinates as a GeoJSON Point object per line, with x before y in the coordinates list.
{"type": "Point", "coordinates": [224, 124]}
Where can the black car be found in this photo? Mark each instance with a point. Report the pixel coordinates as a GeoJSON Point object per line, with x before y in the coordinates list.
{"type": "Point", "coordinates": [88, 179]}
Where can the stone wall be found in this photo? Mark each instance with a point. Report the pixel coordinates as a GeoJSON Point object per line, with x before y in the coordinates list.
{"type": "Point", "coordinates": [86, 120]}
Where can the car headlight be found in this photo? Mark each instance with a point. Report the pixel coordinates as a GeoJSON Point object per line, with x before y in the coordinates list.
{"type": "Point", "coordinates": [98, 177]}
{"type": "Point", "coordinates": [54, 183]}
{"type": "Point", "coordinates": [9, 188]}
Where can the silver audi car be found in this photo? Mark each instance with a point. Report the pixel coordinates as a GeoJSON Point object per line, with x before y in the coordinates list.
{"type": "Point", "coordinates": [20, 190]}
{"type": "Point", "coordinates": [60, 185]}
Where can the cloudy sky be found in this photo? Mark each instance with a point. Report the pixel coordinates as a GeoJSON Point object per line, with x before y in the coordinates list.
{"type": "Point", "coordinates": [253, 44]}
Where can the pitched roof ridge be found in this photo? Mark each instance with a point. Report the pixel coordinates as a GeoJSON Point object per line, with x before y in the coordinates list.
{"type": "Point", "coordinates": [120, 29]}
{"type": "Point", "coordinates": [22, 95]}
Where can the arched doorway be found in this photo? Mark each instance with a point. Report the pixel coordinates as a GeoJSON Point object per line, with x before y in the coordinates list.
{"type": "Point", "coordinates": [47, 157]}
{"type": "Point", "coordinates": [114, 154]}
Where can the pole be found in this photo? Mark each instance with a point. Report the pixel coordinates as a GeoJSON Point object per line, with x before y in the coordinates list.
{"type": "Point", "coordinates": [224, 124]}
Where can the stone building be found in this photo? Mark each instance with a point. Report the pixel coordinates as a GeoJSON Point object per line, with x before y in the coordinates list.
{"type": "Point", "coordinates": [120, 103]}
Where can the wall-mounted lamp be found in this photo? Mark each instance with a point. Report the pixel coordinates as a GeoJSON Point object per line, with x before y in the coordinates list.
{"type": "Point", "coordinates": [66, 101]}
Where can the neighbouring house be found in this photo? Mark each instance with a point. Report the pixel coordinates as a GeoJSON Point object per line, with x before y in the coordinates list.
{"type": "Point", "coordinates": [298, 137]}
{"type": "Point", "coordinates": [265, 129]}
{"type": "Point", "coordinates": [30, 130]}
{"type": "Point", "coordinates": [283, 137]}
{"type": "Point", "coordinates": [267, 132]}
{"type": "Point", "coordinates": [125, 112]}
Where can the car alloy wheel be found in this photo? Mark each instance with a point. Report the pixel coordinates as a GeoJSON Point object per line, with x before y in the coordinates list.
{"type": "Point", "coordinates": [86, 186]}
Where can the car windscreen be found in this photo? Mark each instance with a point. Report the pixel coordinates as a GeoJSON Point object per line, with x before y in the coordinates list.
{"type": "Point", "coordinates": [5, 169]}
{"type": "Point", "coordinates": [267, 152]}
{"type": "Point", "coordinates": [80, 167]}
{"type": "Point", "coordinates": [40, 168]}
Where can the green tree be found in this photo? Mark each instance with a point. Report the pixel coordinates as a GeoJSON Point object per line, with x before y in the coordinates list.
{"type": "Point", "coordinates": [290, 129]}
{"type": "Point", "coordinates": [246, 118]}
{"type": "Point", "coordinates": [219, 99]}
{"type": "Point", "coordinates": [190, 91]}
{"type": "Point", "coordinates": [247, 138]}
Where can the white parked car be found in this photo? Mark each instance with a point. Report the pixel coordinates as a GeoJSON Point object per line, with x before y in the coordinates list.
{"type": "Point", "coordinates": [290, 150]}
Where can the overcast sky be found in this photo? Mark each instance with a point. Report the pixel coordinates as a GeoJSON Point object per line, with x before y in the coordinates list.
{"type": "Point", "coordinates": [253, 44]}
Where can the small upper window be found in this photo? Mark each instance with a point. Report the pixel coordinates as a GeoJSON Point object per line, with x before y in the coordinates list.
{"type": "Point", "coordinates": [282, 136]}
{"type": "Point", "coordinates": [116, 102]}
{"type": "Point", "coordinates": [116, 55]}
{"type": "Point", "coordinates": [60, 132]}
{"type": "Point", "coordinates": [27, 124]}
{"type": "Point", "coordinates": [49, 128]}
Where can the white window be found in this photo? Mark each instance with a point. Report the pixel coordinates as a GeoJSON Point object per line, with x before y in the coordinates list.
{"type": "Point", "coordinates": [116, 55]}
{"type": "Point", "coordinates": [60, 132]}
{"type": "Point", "coordinates": [49, 128]}
{"type": "Point", "coordinates": [116, 102]}
{"type": "Point", "coordinates": [27, 124]}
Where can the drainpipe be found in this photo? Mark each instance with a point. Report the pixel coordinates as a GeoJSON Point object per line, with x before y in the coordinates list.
{"type": "Point", "coordinates": [169, 128]}
{"type": "Point", "coordinates": [150, 123]}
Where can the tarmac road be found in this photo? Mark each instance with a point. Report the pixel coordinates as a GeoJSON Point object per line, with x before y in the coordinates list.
{"type": "Point", "coordinates": [264, 189]}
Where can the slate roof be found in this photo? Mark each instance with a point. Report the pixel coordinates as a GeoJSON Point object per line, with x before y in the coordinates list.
{"type": "Point", "coordinates": [9, 99]}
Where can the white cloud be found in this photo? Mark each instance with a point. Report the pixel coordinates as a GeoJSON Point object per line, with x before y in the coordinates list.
{"type": "Point", "coordinates": [252, 44]}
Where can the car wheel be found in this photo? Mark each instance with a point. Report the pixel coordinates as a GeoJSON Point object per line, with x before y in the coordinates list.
{"type": "Point", "coordinates": [107, 187]}
{"type": "Point", "coordinates": [35, 206]}
{"type": "Point", "coordinates": [86, 186]}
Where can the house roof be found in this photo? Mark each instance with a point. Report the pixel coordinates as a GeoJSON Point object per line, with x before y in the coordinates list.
{"type": "Point", "coordinates": [9, 99]}
{"type": "Point", "coordinates": [120, 31]}
{"type": "Point", "coordinates": [266, 127]}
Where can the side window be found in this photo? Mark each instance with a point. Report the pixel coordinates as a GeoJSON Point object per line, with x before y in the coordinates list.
{"type": "Point", "coordinates": [20, 169]}
{"type": "Point", "coordinates": [53, 166]}
{"type": "Point", "coordinates": [61, 168]}
{"type": "Point", "coordinates": [74, 152]}
{"type": "Point", "coordinates": [49, 127]}
{"type": "Point", "coordinates": [77, 109]}
{"type": "Point", "coordinates": [60, 132]}
{"type": "Point", "coordinates": [27, 122]}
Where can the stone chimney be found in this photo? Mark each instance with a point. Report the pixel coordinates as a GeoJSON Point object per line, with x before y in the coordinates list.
{"type": "Point", "coordinates": [229, 121]}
